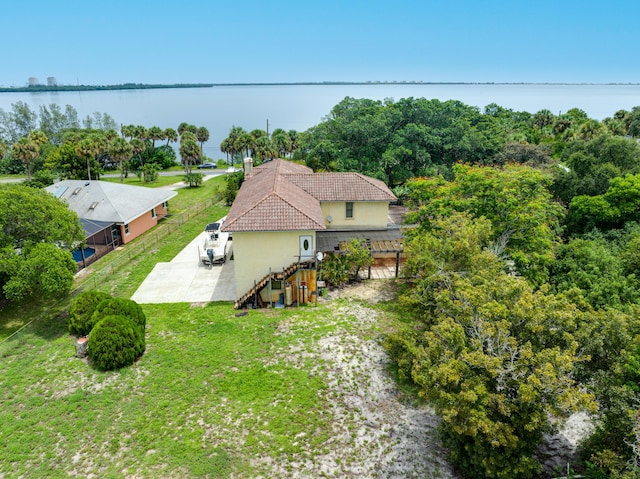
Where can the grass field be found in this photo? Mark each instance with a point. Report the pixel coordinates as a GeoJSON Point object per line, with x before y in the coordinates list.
{"type": "Point", "coordinates": [296, 393]}
{"type": "Point", "coordinates": [133, 180]}
{"type": "Point", "coordinates": [122, 271]}
{"type": "Point", "coordinates": [300, 393]}
{"type": "Point", "coordinates": [209, 394]}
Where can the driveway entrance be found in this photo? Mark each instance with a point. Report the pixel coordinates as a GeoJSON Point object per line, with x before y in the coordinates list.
{"type": "Point", "coordinates": [186, 279]}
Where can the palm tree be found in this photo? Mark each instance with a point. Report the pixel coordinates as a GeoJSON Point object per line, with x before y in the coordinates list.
{"type": "Point", "coordinates": [182, 127]}
{"type": "Point", "coordinates": [155, 134]}
{"type": "Point", "coordinates": [170, 135]}
{"type": "Point", "coordinates": [26, 150]}
{"type": "Point", "coordinates": [293, 140]}
{"type": "Point", "coordinates": [225, 147]}
{"type": "Point", "coordinates": [255, 136]}
{"type": "Point", "coordinates": [202, 135]}
{"type": "Point", "coordinates": [281, 142]}
{"type": "Point", "coordinates": [140, 132]}
{"type": "Point", "coordinates": [243, 143]}
{"type": "Point", "coordinates": [127, 131]}
{"type": "Point", "coordinates": [39, 137]}
{"type": "Point", "coordinates": [87, 148]}
{"type": "Point", "coordinates": [189, 150]}
{"type": "Point", "coordinates": [589, 129]}
{"type": "Point", "coordinates": [231, 144]}
{"type": "Point", "coordinates": [138, 148]}
{"type": "Point", "coordinates": [120, 150]}
{"type": "Point", "coordinates": [265, 149]}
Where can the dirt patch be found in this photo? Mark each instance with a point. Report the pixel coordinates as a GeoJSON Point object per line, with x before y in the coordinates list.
{"type": "Point", "coordinates": [375, 432]}
{"type": "Point", "coordinates": [368, 291]}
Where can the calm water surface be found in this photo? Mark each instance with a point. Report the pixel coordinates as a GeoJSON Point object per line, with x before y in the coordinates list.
{"type": "Point", "coordinates": [300, 107]}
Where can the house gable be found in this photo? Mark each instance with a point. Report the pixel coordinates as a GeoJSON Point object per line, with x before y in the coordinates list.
{"type": "Point", "coordinates": [285, 196]}
{"type": "Point", "coordinates": [268, 202]}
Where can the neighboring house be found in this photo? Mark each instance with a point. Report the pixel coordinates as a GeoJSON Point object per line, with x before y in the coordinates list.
{"type": "Point", "coordinates": [112, 213]}
{"type": "Point", "coordinates": [284, 214]}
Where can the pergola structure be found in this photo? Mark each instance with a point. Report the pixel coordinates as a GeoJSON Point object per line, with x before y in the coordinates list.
{"type": "Point", "coordinates": [379, 242]}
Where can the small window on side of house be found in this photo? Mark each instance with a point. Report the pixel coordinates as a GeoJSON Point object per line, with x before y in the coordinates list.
{"type": "Point", "coordinates": [126, 229]}
{"type": "Point", "coordinates": [153, 213]}
{"type": "Point", "coordinates": [349, 211]}
{"type": "Point", "coordinates": [164, 205]}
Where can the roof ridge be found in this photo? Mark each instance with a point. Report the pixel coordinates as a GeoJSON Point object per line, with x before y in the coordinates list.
{"type": "Point", "coordinates": [373, 181]}
{"type": "Point", "coordinates": [303, 213]}
{"type": "Point", "coordinates": [108, 199]}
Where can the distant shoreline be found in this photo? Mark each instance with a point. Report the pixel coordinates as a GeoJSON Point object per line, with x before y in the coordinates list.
{"type": "Point", "coordinates": [142, 86]}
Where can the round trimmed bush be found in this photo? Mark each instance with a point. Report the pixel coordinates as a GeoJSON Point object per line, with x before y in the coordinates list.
{"type": "Point", "coordinates": [84, 305]}
{"type": "Point", "coordinates": [120, 307]}
{"type": "Point", "coordinates": [115, 342]}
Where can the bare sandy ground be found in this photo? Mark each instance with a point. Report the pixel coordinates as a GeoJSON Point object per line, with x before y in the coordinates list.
{"type": "Point", "coordinates": [376, 432]}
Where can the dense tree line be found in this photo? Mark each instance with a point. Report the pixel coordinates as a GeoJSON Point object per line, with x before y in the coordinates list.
{"type": "Point", "coordinates": [53, 142]}
{"type": "Point", "coordinates": [522, 275]}
{"type": "Point", "coordinates": [259, 144]}
{"type": "Point", "coordinates": [521, 283]}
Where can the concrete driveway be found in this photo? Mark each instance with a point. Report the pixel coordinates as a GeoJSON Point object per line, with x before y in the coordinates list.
{"type": "Point", "coordinates": [186, 279]}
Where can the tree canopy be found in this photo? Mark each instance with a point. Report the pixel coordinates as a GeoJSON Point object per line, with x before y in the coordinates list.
{"type": "Point", "coordinates": [37, 232]}
{"type": "Point", "coordinates": [492, 354]}
{"type": "Point", "coordinates": [525, 220]}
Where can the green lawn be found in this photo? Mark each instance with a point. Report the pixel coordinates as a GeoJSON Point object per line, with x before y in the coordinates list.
{"type": "Point", "coordinates": [214, 395]}
{"type": "Point", "coordinates": [135, 181]}
{"type": "Point", "coordinates": [211, 392]}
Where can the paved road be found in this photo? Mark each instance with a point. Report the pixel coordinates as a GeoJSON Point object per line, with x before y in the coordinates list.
{"type": "Point", "coordinates": [207, 174]}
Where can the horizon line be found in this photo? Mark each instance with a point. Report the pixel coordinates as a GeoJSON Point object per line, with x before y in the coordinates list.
{"type": "Point", "coordinates": [130, 85]}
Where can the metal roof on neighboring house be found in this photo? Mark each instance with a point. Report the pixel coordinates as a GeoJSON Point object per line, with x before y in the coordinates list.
{"type": "Point", "coordinates": [107, 201]}
{"type": "Point", "coordinates": [281, 196]}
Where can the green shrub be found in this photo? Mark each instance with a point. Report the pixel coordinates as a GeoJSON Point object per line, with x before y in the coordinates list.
{"type": "Point", "coordinates": [194, 180]}
{"type": "Point", "coordinates": [80, 314]}
{"type": "Point", "coordinates": [115, 342]}
{"type": "Point", "coordinates": [337, 269]}
{"type": "Point", "coordinates": [120, 307]}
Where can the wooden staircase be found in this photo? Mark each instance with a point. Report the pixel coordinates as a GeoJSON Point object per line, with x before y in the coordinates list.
{"type": "Point", "coordinates": [252, 294]}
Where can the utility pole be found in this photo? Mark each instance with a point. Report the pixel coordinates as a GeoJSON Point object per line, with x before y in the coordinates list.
{"type": "Point", "coordinates": [267, 127]}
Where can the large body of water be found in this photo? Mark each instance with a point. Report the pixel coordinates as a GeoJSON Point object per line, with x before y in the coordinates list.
{"type": "Point", "coordinates": [299, 107]}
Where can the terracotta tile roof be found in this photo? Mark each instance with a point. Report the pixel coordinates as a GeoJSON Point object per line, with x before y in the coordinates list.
{"type": "Point", "coordinates": [284, 167]}
{"type": "Point", "coordinates": [281, 196]}
{"type": "Point", "coordinates": [343, 187]}
{"type": "Point", "coordinates": [268, 202]}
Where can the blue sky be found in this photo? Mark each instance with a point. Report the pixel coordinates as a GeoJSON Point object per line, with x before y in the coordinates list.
{"type": "Point", "coordinates": [210, 41]}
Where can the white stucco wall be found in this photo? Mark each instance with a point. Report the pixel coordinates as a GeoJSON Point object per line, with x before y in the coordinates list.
{"type": "Point", "coordinates": [255, 252]}
{"type": "Point", "coordinates": [365, 214]}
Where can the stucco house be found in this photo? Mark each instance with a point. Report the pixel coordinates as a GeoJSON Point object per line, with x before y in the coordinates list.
{"type": "Point", "coordinates": [284, 214]}
{"type": "Point", "coordinates": [112, 213]}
